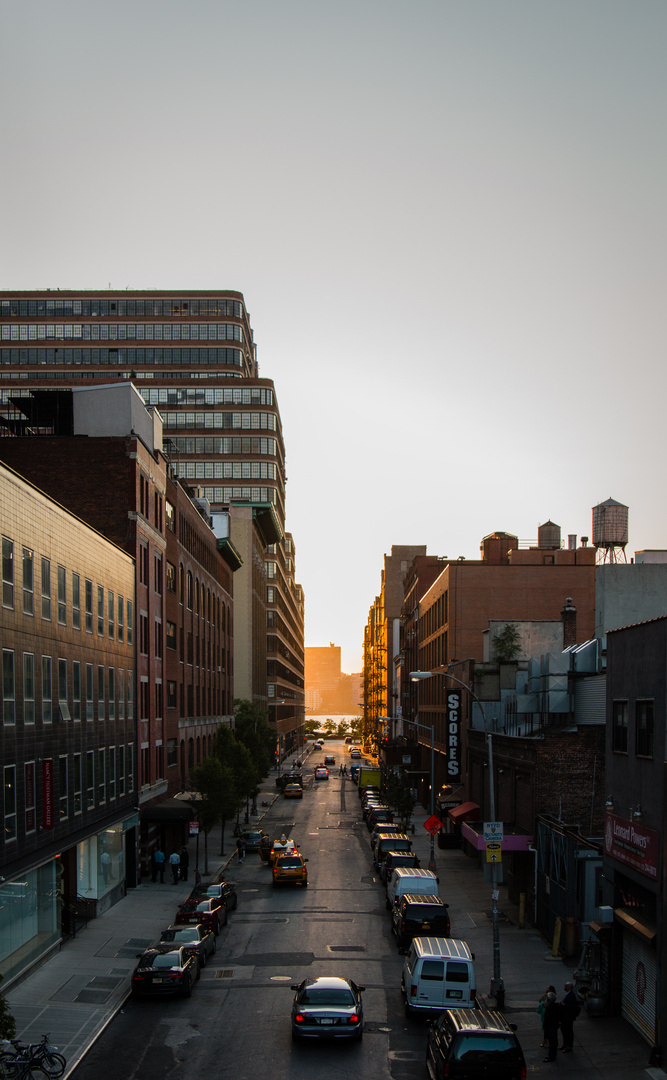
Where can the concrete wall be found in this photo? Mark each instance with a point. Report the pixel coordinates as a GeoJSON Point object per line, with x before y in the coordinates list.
{"type": "Point", "coordinates": [627, 593]}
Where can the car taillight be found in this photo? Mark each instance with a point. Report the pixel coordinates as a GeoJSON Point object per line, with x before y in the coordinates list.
{"type": "Point", "coordinates": [139, 975]}
{"type": "Point", "coordinates": [413, 990]}
{"type": "Point", "coordinates": [445, 1072]}
{"type": "Point", "coordinates": [524, 1072]}
{"type": "Point", "coordinates": [402, 924]}
{"type": "Point", "coordinates": [472, 995]}
{"type": "Point", "coordinates": [354, 1019]}
{"type": "Point", "coordinates": [175, 974]}
{"type": "Point", "coordinates": [299, 1018]}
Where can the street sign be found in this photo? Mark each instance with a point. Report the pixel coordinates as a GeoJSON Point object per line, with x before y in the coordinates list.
{"type": "Point", "coordinates": [433, 825]}
{"type": "Point", "coordinates": [493, 830]}
{"type": "Point", "coordinates": [494, 853]}
{"type": "Point", "coordinates": [193, 828]}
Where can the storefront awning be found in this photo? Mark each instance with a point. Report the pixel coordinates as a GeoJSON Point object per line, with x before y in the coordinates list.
{"type": "Point", "coordinates": [463, 811]}
{"type": "Point", "coordinates": [166, 811]}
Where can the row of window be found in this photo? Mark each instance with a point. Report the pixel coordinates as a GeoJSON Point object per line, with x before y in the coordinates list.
{"type": "Point", "coordinates": [79, 782]}
{"type": "Point", "coordinates": [108, 613]}
{"type": "Point", "coordinates": [643, 728]}
{"type": "Point", "coordinates": [228, 470]}
{"type": "Point", "coordinates": [224, 495]}
{"type": "Point", "coordinates": [216, 444]}
{"type": "Point", "coordinates": [70, 306]}
{"type": "Point", "coordinates": [121, 357]}
{"type": "Point", "coordinates": [237, 420]}
{"type": "Point", "coordinates": [96, 691]}
{"type": "Point", "coordinates": [236, 395]}
{"type": "Point", "coordinates": [14, 375]}
{"type": "Point", "coordinates": [121, 332]}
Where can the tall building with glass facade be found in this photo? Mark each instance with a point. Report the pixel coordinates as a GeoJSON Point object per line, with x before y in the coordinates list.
{"type": "Point", "coordinates": [191, 354]}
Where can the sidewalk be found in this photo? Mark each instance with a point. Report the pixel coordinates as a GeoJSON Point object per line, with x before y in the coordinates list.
{"type": "Point", "coordinates": [76, 993]}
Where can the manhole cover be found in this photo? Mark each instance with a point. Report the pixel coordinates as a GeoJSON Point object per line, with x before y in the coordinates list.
{"type": "Point", "coordinates": [102, 982]}
{"type": "Point", "coordinates": [92, 997]}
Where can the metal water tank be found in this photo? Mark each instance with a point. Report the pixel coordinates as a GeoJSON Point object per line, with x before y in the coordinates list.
{"type": "Point", "coordinates": [610, 524]}
{"type": "Point", "coordinates": [548, 536]}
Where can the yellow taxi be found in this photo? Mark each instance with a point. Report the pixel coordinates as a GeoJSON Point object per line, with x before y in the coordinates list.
{"type": "Point", "coordinates": [290, 870]}
{"type": "Point", "coordinates": [283, 846]}
{"type": "Point", "coordinates": [293, 791]}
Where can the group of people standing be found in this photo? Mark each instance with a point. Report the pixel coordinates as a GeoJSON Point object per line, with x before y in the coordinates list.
{"type": "Point", "coordinates": [558, 1015]}
{"type": "Point", "coordinates": [179, 863]}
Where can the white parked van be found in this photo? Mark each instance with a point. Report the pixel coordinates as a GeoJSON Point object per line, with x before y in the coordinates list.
{"type": "Point", "coordinates": [438, 974]}
{"type": "Point", "coordinates": [410, 879]}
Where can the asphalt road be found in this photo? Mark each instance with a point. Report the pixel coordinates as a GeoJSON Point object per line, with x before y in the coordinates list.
{"type": "Point", "coordinates": [237, 1022]}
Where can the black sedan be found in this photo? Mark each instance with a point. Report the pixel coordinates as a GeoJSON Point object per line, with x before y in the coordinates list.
{"type": "Point", "coordinates": [198, 940]}
{"type": "Point", "coordinates": [222, 891]}
{"type": "Point", "coordinates": [327, 1008]}
{"type": "Point", "coordinates": [165, 969]}
{"type": "Point", "coordinates": [211, 912]}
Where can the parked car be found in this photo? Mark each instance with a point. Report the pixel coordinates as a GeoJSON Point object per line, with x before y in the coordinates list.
{"type": "Point", "coordinates": [419, 916]}
{"type": "Point", "coordinates": [329, 759]}
{"type": "Point", "coordinates": [211, 913]}
{"type": "Point", "coordinates": [197, 939]}
{"type": "Point", "coordinates": [217, 890]}
{"type": "Point", "coordinates": [321, 773]}
{"type": "Point", "coordinates": [390, 842]}
{"type": "Point", "coordinates": [356, 754]}
{"type": "Point", "coordinates": [290, 870]}
{"type": "Point", "coordinates": [438, 974]}
{"type": "Point", "coordinates": [392, 859]}
{"type": "Point", "coordinates": [283, 846]}
{"type": "Point", "coordinates": [472, 1043]}
{"type": "Point", "coordinates": [165, 969]}
{"type": "Point", "coordinates": [253, 838]}
{"type": "Point", "coordinates": [327, 1008]}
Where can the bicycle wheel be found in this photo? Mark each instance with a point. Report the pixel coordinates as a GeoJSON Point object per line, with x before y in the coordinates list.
{"type": "Point", "coordinates": [53, 1065]}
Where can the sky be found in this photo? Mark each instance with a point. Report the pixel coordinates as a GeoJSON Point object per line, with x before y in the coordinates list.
{"type": "Point", "coordinates": [448, 221]}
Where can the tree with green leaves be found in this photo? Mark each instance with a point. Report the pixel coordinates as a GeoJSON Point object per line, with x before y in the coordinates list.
{"type": "Point", "coordinates": [400, 797]}
{"type": "Point", "coordinates": [214, 796]}
{"type": "Point", "coordinates": [253, 729]}
{"type": "Point", "coordinates": [328, 727]}
{"type": "Point", "coordinates": [507, 643]}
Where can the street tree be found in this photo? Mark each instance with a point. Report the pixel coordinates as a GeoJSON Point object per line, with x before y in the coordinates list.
{"type": "Point", "coordinates": [399, 795]}
{"type": "Point", "coordinates": [214, 796]}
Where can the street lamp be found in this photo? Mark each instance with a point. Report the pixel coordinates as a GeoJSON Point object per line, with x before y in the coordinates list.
{"type": "Point", "coordinates": [497, 985]}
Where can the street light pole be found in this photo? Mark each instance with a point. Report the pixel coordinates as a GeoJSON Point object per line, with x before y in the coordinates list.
{"type": "Point", "coordinates": [497, 985]}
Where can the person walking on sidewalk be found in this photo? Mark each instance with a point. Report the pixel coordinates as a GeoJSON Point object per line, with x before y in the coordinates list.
{"type": "Point", "coordinates": [541, 1006]}
{"type": "Point", "coordinates": [552, 1020]}
{"type": "Point", "coordinates": [185, 863]}
{"type": "Point", "coordinates": [158, 864]}
{"type": "Point", "coordinates": [240, 847]}
{"type": "Point", "coordinates": [569, 1012]}
{"type": "Point", "coordinates": [175, 864]}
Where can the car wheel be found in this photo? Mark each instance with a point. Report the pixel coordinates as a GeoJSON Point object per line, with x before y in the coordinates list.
{"type": "Point", "coordinates": [360, 1035]}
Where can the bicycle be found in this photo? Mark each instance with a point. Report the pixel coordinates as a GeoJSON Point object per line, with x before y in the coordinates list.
{"type": "Point", "coordinates": [28, 1056]}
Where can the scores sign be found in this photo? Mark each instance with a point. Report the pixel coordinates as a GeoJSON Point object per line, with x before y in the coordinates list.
{"type": "Point", "coordinates": [453, 734]}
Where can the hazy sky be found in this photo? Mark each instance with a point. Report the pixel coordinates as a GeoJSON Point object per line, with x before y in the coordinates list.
{"type": "Point", "coordinates": [448, 220]}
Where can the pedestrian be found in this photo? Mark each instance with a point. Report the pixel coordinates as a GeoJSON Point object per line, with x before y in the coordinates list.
{"type": "Point", "coordinates": [240, 847]}
{"type": "Point", "coordinates": [105, 860]}
{"type": "Point", "coordinates": [175, 864]}
{"type": "Point", "coordinates": [340, 769]}
{"type": "Point", "coordinates": [158, 864]}
{"type": "Point", "coordinates": [541, 1006]}
{"type": "Point", "coordinates": [185, 863]}
{"type": "Point", "coordinates": [552, 1020]}
{"type": "Point", "coordinates": [570, 1010]}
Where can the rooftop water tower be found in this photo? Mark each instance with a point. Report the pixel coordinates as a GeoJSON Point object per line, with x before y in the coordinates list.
{"type": "Point", "coordinates": [610, 531]}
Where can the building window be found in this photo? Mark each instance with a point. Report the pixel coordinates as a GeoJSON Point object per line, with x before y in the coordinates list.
{"type": "Point", "coordinates": [10, 802]}
{"type": "Point", "coordinates": [112, 693]}
{"type": "Point", "coordinates": [121, 770]}
{"type": "Point", "coordinates": [62, 596]}
{"type": "Point", "coordinates": [130, 623]}
{"type": "Point", "coordinates": [143, 698]}
{"type": "Point", "coordinates": [644, 728]}
{"type": "Point", "coordinates": [121, 693]}
{"type": "Point", "coordinates": [130, 696]}
{"type": "Point", "coordinates": [46, 588]}
{"type": "Point", "coordinates": [89, 606]}
{"type": "Point", "coordinates": [121, 618]}
{"type": "Point", "coordinates": [77, 784]}
{"type": "Point", "coordinates": [76, 601]}
{"type": "Point", "coordinates": [100, 691]}
{"type": "Point", "coordinates": [171, 635]}
{"type": "Point", "coordinates": [112, 772]}
{"type": "Point", "coordinates": [171, 694]}
{"type": "Point", "coordinates": [62, 689]}
{"type": "Point", "coordinates": [100, 610]}
{"type": "Point", "coordinates": [111, 609]}
{"type": "Point", "coordinates": [76, 689]}
{"type": "Point", "coordinates": [170, 516]}
{"type": "Point", "coordinates": [28, 582]}
{"type": "Point", "coordinates": [90, 709]}
{"type": "Point", "coordinates": [159, 700]}
{"type": "Point", "coordinates": [158, 639]}
{"type": "Point", "coordinates": [28, 688]}
{"type": "Point", "coordinates": [29, 781]}
{"type": "Point", "coordinates": [47, 691]}
{"type": "Point", "coordinates": [619, 729]}
{"type": "Point", "coordinates": [158, 574]}
{"type": "Point", "coordinates": [188, 588]}
{"type": "Point", "coordinates": [143, 564]}
{"type": "Point", "coordinates": [171, 577]}
{"type": "Point", "coordinates": [90, 779]}
{"type": "Point", "coordinates": [130, 766]}
{"type": "Point", "coordinates": [101, 776]}
{"type": "Point", "coordinates": [62, 787]}
{"type": "Point", "coordinates": [143, 634]}
{"type": "Point", "coordinates": [7, 572]}
{"type": "Point", "coordinates": [172, 756]}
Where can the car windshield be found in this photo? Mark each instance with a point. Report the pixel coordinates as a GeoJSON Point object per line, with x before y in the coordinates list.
{"type": "Point", "coordinates": [167, 960]}
{"type": "Point", "coordinates": [314, 995]}
{"type": "Point", "coordinates": [423, 911]}
{"type": "Point", "coordinates": [485, 1049]}
{"type": "Point", "coordinates": [186, 934]}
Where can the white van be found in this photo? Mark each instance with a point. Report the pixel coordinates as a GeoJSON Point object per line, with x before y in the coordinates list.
{"type": "Point", "coordinates": [410, 879]}
{"type": "Point", "coordinates": [438, 974]}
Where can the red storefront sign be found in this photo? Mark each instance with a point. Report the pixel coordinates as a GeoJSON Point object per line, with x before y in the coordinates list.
{"type": "Point", "coordinates": [632, 844]}
{"type": "Point", "coordinates": [47, 793]}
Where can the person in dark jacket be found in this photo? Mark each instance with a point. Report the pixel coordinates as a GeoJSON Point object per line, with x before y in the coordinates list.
{"type": "Point", "coordinates": [569, 1013]}
{"type": "Point", "coordinates": [552, 1018]}
{"type": "Point", "coordinates": [185, 863]}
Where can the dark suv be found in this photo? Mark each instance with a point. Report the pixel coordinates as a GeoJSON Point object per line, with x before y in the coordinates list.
{"type": "Point", "coordinates": [473, 1043]}
{"type": "Point", "coordinates": [392, 859]}
{"type": "Point", "coordinates": [419, 916]}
